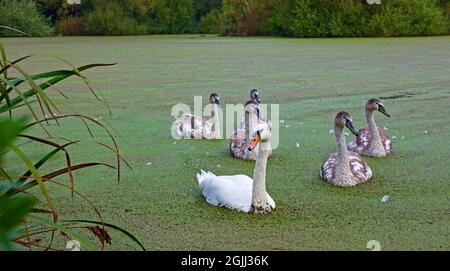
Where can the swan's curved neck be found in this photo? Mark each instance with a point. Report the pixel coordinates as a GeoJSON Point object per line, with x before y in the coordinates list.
{"type": "Point", "coordinates": [247, 125]}
{"type": "Point", "coordinates": [259, 195]}
{"type": "Point", "coordinates": [371, 124]}
{"type": "Point", "coordinates": [251, 121]}
{"type": "Point", "coordinates": [342, 164]}
{"type": "Point", "coordinates": [373, 131]}
{"type": "Point", "coordinates": [341, 146]}
{"type": "Point", "coordinates": [217, 125]}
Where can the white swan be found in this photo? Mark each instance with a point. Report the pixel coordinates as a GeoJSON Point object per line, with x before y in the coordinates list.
{"type": "Point", "coordinates": [240, 192]}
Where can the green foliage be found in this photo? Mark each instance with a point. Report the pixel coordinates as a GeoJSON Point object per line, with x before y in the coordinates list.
{"type": "Point", "coordinates": [408, 18]}
{"type": "Point", "coordinates": [295, 18]}
{"type": "Point", "coordinates": [325, 18]}
{"type": "Point", "coordinates": [23, 15]}
{"type": "Point", "coordinates": [330, 18]}
{"type": "Point", "coordinates": [247, 17]}
{"type": "Point", "coordinates": [109, 18]}
{"type": "Point", "coordinates": [12, 212]}
{"type": "Point", "coordinates": [172, 17]}
{"type": "Point", "coordinates": [52, 9]}
{"type": "Point", "coordinates": [447, 14]}
{"type": "Point", "coordinates": [212, 23]}
{"type": "Point", "coordinates": [128, 17]}
{"type": "Point", "coordinates": [281, 20]}
{"type": "Point", "coordinates": [10, 130]}
{"type": "Point", "coordinates": [204, 7]}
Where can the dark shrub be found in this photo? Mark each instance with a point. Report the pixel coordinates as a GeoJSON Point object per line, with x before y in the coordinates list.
{"type": "Point", "coordinates": [172, 17]}
{"type": "Point", "coordinates": [408, 18]}
{"type": "Point", "coordinates": [72, 26]}
{"type": "Point", "coordinates": [246, 17]}
{"type": "Point", "coordinates": [328, 18]}
{"type": "Point", "coordinates": [24, 16]}
{"type": "Point", "coordinates": [211, 23]}
{"type": "Point", "coordinates": [109, 18]}
{"type": "Point", "coordinates": [281, 21]}
{"type": "Point", "coordinates": [331, 18]}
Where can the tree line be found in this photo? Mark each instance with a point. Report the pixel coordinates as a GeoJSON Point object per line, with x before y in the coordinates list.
{"type": "Point", "coordinates": [293, 18]}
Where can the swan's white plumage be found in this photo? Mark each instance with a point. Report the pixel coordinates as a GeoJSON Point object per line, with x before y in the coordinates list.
{"type": "Point", "coordinates": [233, 192]}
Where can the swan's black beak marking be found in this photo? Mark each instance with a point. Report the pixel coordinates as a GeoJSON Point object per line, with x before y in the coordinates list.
{"type": "Point", "coordinates": [349, 125]}
{"type": "Point", "coordinates": [382, 110]}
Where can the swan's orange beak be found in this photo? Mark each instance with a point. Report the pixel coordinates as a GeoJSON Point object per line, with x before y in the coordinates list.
{"type": "Point", "coordinates": [255, 141]}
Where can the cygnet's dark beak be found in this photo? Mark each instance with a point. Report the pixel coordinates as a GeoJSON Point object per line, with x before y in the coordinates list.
{"type": "Point", "coordinates": [382, 110]}
{"type": "Point", "coordinates": [349, 125]}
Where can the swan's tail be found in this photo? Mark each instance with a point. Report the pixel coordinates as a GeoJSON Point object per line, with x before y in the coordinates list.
{"type": "Point", "coordinates": [201, 177]}
{"type": "Point", "coordinates": [204, 175]}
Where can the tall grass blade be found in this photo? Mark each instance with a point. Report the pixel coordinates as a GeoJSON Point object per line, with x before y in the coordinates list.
{"type": "Point", "coordinates": [35, 173]}
{"type": "Point", "coordinates": [15, 30]}
{"type": "Point", "coordinates": [57, 173]}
